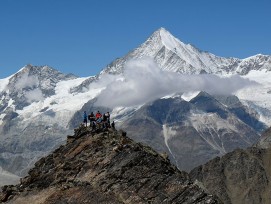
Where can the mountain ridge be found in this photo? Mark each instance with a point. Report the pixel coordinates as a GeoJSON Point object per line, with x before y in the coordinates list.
{"type": "Point", "coordinates": [109, 165]}
{"type": "Point", "coordinates": [173, 55]}
{"type": "Point", "coordinates": [241, 176]}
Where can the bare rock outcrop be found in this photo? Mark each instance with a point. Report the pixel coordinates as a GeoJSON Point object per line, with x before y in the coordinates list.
{"type": "Point", "coordinates": [106, 167]}
{"type": "Point", "coordinates": [239, 177]}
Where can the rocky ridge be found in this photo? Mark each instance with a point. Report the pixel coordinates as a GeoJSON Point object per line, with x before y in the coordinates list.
{"type": "Point", "coordinates": [265, 140]}
{"type": "Point", "coordinates": [239, 177]}
{"type": "Point", "coordinates": [106, 167]}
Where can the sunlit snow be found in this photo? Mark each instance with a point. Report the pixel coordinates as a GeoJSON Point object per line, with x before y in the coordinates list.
{"type": "Point", "coordinates": [4, 83]}
{"type": "Point", "coordinates": [260, 94]}
{"type": "Point", "coordinates": [189, 95]}
{"type": "Point", "coordinates": [64, 104]}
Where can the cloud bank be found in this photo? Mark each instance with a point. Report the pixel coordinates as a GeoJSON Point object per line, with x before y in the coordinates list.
{"type": "Point", "coordinates": [144, 81]}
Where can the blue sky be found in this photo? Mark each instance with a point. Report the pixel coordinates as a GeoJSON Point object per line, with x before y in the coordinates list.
{"type": "Point", "coordinates": [83, 36]}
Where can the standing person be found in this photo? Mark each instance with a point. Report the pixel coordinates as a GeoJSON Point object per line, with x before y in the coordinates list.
{"type": "Point", "coordinates": [85, 121]}
{"type": "Point", "coordinates": [91, 118]}
{"type": "Point", "coordinates": [107, 116]}
{"type": "Point", "coordinates": [98, 115]}
{"type": "Point", "coordinates": [113, 125]}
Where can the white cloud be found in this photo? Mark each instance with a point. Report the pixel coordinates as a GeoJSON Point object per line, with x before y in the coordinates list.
{"type": "Point", "coordinates": [144, 81]}
{"type": "Point", "coordinates": [34, 95]}
{"type": "Point", "coordinates": [27, 81]}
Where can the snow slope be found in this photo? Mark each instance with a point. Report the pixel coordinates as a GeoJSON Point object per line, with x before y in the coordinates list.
{"type": "Point", "coordinates": [258, 97]}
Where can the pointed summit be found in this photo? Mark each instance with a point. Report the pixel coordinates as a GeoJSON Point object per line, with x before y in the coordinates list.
{"type": "Point", "coordinates": [162, 31]}
{"type": "Point", "coordinates": [173, 55]}
{"type": "Point", "coordinates": [170, 54]}
{"type": "Point", "coordinates": [168, 40]}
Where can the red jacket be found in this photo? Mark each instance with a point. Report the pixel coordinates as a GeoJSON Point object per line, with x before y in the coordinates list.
{"type": "Point", "coordinates": [98, 115]}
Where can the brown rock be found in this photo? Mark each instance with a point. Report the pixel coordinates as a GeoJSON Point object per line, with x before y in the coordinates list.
{"type": "Point", "coordinates": [88, 170]}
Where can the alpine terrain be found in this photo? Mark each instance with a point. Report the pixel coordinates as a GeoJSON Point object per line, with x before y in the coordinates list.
{"type": "Point", "coordinates": [105, 167]}
{"type": "Point", "coordinates": [241, 176]}
{"type": "Point", "coordinates": [178, 99]}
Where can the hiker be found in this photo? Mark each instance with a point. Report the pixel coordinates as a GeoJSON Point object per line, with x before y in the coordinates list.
{"type": "Point", "coordinates": [85, 121]}
{"type": "Point", "coordinates": [98, 115]}
{"type": "Point", "coordinates": [91, 118]}
{"type": "Point", "coordinates": [105, 124]}
{"type": "Point", "coordinates": [113, 125]}
{"type": "Point", "coordinates": [93, 126]}
{"type": "Point", "coordinates": [107, 115]}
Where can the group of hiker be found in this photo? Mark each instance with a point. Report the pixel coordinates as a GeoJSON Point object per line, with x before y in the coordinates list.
{"type": "Point", "coordinates": [98, 121]}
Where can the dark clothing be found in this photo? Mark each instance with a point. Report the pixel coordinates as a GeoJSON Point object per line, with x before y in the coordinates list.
{"type": "Point", "coordinates": [85, 118]}
{"type": "Point", "coordinates": [91, 117]}
{"type": "Point", "coordinates": [113, 125]}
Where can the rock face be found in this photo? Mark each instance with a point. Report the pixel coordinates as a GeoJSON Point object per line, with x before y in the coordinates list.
{"type": "Point", "coordinates": [194, 132]}
{"type": "Point", "coordinates": [265, 140]}
{"type": "Point", "coordinates": [239, 177]}
{"type": "Point", "coordinates": [105, 168]}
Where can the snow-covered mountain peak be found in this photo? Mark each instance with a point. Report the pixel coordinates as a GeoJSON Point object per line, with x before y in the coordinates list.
{"type": "Point", "coordinates": [38, 70]}
{"type": "Point", "coordinates": [30, 84]}
{"type": "Point", "coordinates": [42, 73]}
{"type": "Point", "coordinates": [165, 38]}
{"type": "Point", "coordinates": [168, 40]}
{"type": "Point", "coordinates": [173, 55]}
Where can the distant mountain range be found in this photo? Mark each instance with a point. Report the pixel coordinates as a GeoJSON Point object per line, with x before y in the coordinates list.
{"type": "Point", "coordinates": [196, 131]}
{"type": "Point", "coordinates": [40, 106]}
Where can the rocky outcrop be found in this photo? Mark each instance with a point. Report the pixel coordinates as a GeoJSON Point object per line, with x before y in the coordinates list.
{"type": "Point", "coordinates": [265, 140]}
{"type": "Point", "coordinates": [239, 177]}
{"type": "Point", "coordinates": [105, 167]}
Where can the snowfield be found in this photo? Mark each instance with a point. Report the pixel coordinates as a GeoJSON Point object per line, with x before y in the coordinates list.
{"type": "Point", "coordinates": [258, 97]}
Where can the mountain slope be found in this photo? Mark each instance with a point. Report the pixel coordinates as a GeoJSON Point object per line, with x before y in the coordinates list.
{"type": "Point", "coordinates": [30, 126]}
{"type": "Point", "coordinates": [265, 140]}
{"type": "Point", "coordinates": [30, 84]}
{"type": "Point", "coordinates": [239, 177]}
{"type": "Point", "coordinates": [105, 168]}
{"type": "Point", "coordinates": [198, 130]}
